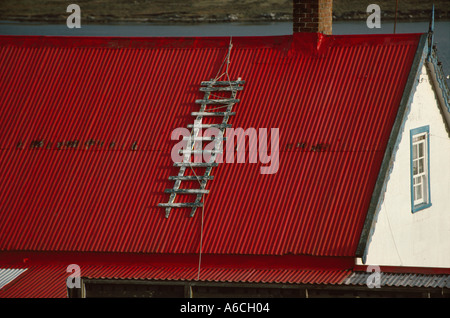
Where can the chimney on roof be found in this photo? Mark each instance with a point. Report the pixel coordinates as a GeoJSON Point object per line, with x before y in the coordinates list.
{"type": "Point", "coordinates": [313, 16]}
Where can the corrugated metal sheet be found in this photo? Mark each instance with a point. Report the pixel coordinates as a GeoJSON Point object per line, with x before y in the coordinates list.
{"type": "Point", "coordinates": [49, 281]}
{"type": "Point", "coordinates": [234, 275]}
{"type": "Point", "coordinates": [7, 275]}
{"type": "Point", "coordinates": [107, 93]}
{"type": "Point", "coordinates": [401, 280]}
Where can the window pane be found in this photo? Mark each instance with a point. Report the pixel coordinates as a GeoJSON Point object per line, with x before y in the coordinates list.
{"type": "Point", "coordinates": [419, 138]}
{"type": "Point", "coordinates": [414, 152]}
{"type": "Point", "coordinates": [421, 164]}
{"type": "Point", "coordinates": [418, 192]}
{"type": "Point", "coordinates": [421, 145]}
{"type": "Point", "coordinates": [417, 180]}
{"type": "Point", "coordinates": [415, 163]}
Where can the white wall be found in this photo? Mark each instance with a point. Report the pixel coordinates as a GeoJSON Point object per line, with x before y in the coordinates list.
{"type": "Point", "coordinates": [403, 238]}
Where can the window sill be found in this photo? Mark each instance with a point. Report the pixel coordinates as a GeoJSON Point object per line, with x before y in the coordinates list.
{"type": "Point", "coordinates": [420, 207]}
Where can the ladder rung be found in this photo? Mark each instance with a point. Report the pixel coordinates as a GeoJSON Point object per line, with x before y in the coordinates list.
{"type": "Point", "coordinates": [207, 83]}
{"type": "Point", "coordinates": [221, 89]}
{"type": "Point", "coordinates": [209, 126]}
{"type": "Point", "coordinates": [181, 205]}
{"type": "Point", "coordinates": [205, 138]}
{"type": "Point", "coordinates": [217, 101]}
{"type": "Point", "coordinates": [187, 191]}
{"type": "Point", "coordinates": [191, 178]}
{"type": "Point", "coordinates": [195, 164]}
{"type": "Point", "coordinates": [184, 151]}
{"type": "Point", "coordinates": [213, 113]}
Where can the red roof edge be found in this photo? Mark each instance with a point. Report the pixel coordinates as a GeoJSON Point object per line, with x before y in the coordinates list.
{"type": "Point", "coordinates": [23, 259]}
{"type": "Point", "coordinates": [306, 42]}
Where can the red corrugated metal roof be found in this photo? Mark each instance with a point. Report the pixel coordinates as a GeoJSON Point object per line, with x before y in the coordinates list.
{"type": "Point", "coordinates": [49, 281]}
{"type": "Point", "coordinates": [344, 92]}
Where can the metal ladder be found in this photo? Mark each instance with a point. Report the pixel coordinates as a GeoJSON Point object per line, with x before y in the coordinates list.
{"type": "Point", "coordinates": [208, 87]}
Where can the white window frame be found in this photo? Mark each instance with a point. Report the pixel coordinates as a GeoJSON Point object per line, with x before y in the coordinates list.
{"type": "Point", "coordinates": [420, 175]}
{"type": "Point", "coordinates": [420, 168]}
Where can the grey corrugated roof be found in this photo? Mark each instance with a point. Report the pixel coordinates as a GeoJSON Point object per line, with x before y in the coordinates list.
{"type": "Point", "coordinates": [401, 280]}
{"type": "Point", "coordinates": [7, 275]}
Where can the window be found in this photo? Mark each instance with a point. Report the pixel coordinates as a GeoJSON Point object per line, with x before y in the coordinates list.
{"type": "Point", "coordinates": [420, 168]}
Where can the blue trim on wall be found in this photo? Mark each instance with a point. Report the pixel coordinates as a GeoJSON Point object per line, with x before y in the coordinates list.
{"type": "Point", "coordinates": [412, 133]}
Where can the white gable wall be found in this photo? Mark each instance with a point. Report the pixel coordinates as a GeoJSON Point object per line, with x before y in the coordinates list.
{"type": "Point", "coordinates": [403, 238]}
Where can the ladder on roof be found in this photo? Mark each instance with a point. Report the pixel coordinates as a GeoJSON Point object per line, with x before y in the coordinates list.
{"type": "Point", "coordinates": [209, 88]}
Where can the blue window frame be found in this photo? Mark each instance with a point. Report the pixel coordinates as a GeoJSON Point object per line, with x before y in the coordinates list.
{"type": "Point", "coordinates": [420, 168]}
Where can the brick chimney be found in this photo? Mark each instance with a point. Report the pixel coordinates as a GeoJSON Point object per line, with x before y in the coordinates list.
{"type": "Point", "coordinates": [314, 16]}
